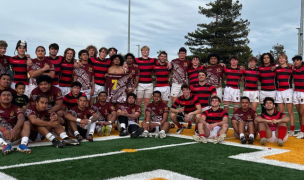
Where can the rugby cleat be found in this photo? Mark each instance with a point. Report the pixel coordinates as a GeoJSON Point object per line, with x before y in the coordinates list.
{"type": "Point", "coordinates": [57, 143]}
{"type": "Point", "coordinates": [23, 148]}
{"type": "Point", "coordinates": [137, 133]}
{"type": "Point", "coordinates": [263, 141]}
{"type": "Point", "coordinates": [145, 134]}
{"type": "Point", "coordinates": [250, 140]}
{"type": "Point", "coordinates": [107, 131]}
{"type": "Point", "coordinates": [123, 132]}
{"type": "Point", "coordinates": [179, 130]}
{"type": "Point", "coordinates": [79, 138]}
{"type": "Point", "coordinates": [196, 132]}
{"type": "Point", "coordinates": [6, 149]}
{"type": "Point", "coordinates": [162, 134]}
{"type": "Point", "coordinates": [70, 142]}
{"type": "Point", "coordinates": [280, 142]}
{"type": "Point", "coordinates": [103, 130]}
{"type": "Point", "coordinates": [156, 135]}
{"type": "Point", "coordinates": [201, 139]}
{"type": "Point", "coordinates": [196, 138]}
{"type": "Point", "coordinates": [99, 131]}
{"type": "Point", "coordinates": [90, 138]}
{"type": "Point", "coordinates": [219, 139]}
{"type": "Point", "coordinates": [300, 135]}
{"type": "Point", "coordinates": [243, 140]}
{"type": "Point", "coordinates": [291, 133]}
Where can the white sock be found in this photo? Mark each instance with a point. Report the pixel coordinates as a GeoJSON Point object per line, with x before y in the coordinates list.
{"type": "Point", "coordinates": [162, 131]}
{"type": "Point", "coordinates": [63, 135]}
{"type": "Point", "coordinates": [92, 127]}
{"type": "Point", "coordinates": [123, 125]}
{"type": "Point", "coordinates": [24, 140]}
{"type": "Point", "coordinates": [50, 136]}
{"type": "Point", "coordinates": [2, 142]}
{"type": "Point", "coordinates": [251, 135]}
{"type": "Point", "coordinates": [76, 133]}
{"type": "Point", "coordinates": [241, 135]}
{"type": "Point", "coordinates": [110, 126]}
{"type": "Point", "coordinates": [146, 131]}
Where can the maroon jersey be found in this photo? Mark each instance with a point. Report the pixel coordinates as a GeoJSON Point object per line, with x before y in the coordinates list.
{"type": "Point", "coordinates": [131, 109]}
{"type": "Point", "coordinates": [37, 65]}
{"type": "Point", "coordinates": [284, 78]}
{"type": "Point", "coordinates": [180, 71]}
{"type": "Point", "coordinates": [267, 78]}
{"type": "Point", "coordinates": [215, 75]}
{"type": "Point", "coordinates": [103, 110]}
{"type": "Point", "coordinates": [43, 115]}
{"type": "Point", "coordinates": [20, 70]}
{"type": "Point", "coordinates": [298, 74]}
{"type": "Point", "coordinates": [240, 115]}
{"type": "Point", "coordinates": [134, 71]}
{"type": "Point", "coordinates": [145, 67]}
{"type": "Point", "coordinates": [66, 73]}
{"type": "Point", "coordinates": [214, 116]}
{"type": "Point", "coordinates": [251, 78]}
{"type": "Point", "coordinates": [53, 95]}
{"type": "Point", "coordinates": [203, 93]}
{"type": "Point", "coordinates": [8, 116]}
{"type": "Point", "coordinates": [116, 86]}
{"type": "Point", "coordinates": [70, 101]}
{"type": "Point", "coordinates": [233, 77]}
{"type": "Point", "coordinates": [85, 114]}
{"type": "Point", "coordinates": [157, 112]}
{"type": "Point", "coordinates": [193, 74]}
{"type": "Point", "coordinates": [162, 74]}
{"type": "Point", "coordinates": [4, 62]}
{"type": "Point", "coordinates": [84, 76]}
{"type": "Point", "coordinates": [100, 69]}
{"type": "Point", "coordinates": [189, 104]}
{"type": "Point", "coordinates": [276, 115]}
{"type": "Point", "coordinates": [57, 63]}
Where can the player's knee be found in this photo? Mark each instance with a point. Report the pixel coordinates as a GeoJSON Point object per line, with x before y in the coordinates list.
{"type": "Point", "coordinates": [225, 126]}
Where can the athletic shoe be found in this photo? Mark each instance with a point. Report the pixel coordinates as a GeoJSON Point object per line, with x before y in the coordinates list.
{"type": "Point", "coordinates": [263, 141]}
{"type": "Point", "coordinates": [79, 138]}
{"type": "Point", "coordinates": [101, 131]}
{"type": "Point", "coordinates": [107, 131]}
{"type": "Point", "coordinates": [179, 130]}
{"type": "Point", "coordinates": [24, 148]}
{"type": "Point", "coordinates": [196, 132]}
{"type": "Point", "coordinates": [250, 140]}
{"type": "Point", "coordinates": [300, 135]}
{"type": "Point", "coordinates": [280, 142]}
{"type": "Point", "coordinates": [162, 135]}
{"type": "Point", "coordinates": [172, 126]}
{"type": "Point", "coordinates": [291, 133]}
{"type": "Point", "coordinates": [6, 149]}
{"type": "Point", "coordinates": [189, 126]}
{"type": "Point", "coordinates": [70, 142]}
{"type": "Point", "coordinates": [196, 138]}
{"type": "Point", "coordinates": [57, 143]}
{"type": "Point", "coordinates": [156, 135]}
{"type": "Point", "coordinates": [243, 140]}
{"type": "Point", "coordinates": [201, 139]}
{"type": "Point", "coordinates": [137, 133]}
{"type": "Point", "coordinates": [145, 134]}
{"type": "Point", "coordinates": [219, 139]}
{"type": "Point", "coordinates": [123, 132]}
{"type": "Point", "coordinates": [90, 138]}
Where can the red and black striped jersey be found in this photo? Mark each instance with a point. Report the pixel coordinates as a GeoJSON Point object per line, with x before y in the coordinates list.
{"type": "Point", "coordinates": [203, 93]}
{"type": "Point", "coordinates": [284, 78]}
{"type": "Point", "coordinates": [70, 100]}
{"type": "Point", "coordinates": [193, 74]}
{"type": "Point", "coordinates": [251, 78]}
{"type": "Point", "coordinates": [66, 74]}
{"type": "Point", "coordinates": [145, 67]}
{"type": "Point", "coordinates": [215, 116]}
{"type": "Point", "coordinates": [276, 115]}
{"type": "Point", "coordinates": [189, 104]}
{"type": "Point", "coordinates": [267, 78]}
{"type": "Point", "coordinates": [20, 69]}
{"type": "Point", "coordinates": [57, 63]}
{"type": "Point", "coordinates": [233, 77]}
{"type": "Point", "coordinates": [298, 74]}
{"type": "Point", "coordinates": [162, 75]}
{"type": "Point", "coordinates": [4, 62]}
{"type": "Point", "coordinates": [100, 67]}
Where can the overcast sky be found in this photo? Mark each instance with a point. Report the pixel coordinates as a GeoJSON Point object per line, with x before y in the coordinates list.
{"type": "Point", "coordinates": [159, 24]}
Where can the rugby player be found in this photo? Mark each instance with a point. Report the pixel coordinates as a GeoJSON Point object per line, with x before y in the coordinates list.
{"type": "Point", "coordinates": [66, 72]}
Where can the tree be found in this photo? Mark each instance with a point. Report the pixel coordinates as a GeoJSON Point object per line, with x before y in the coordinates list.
{"type": "Point", "coordinates": [277, 50]}
{"type": "Point", "coordinates": [226, 35]}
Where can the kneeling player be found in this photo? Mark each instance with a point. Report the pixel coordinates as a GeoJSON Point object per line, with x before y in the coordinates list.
{"type": "Point", "coordinates": [243, 121]}
{"type": "Point", "coordinates": [190, 108]}
{"type": "Point", "coordinates": [213, 123]}
{"type": "Point", "coordinates": [44, 122]}
{"type": "Point", "coordinates": [156, 117]}
{"type": "Point", "coordinates": [272, 124]}
{"type": "Point", "coordinates": [128, 117]}
{"type": "Point", "coordinates": [84, 119]}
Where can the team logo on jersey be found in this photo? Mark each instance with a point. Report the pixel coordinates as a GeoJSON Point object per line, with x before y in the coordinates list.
{"type": "Point", "coordinates": [185, 64]}
{"type": "Point", "coordinates": [161, 111]}
{"type": "Point", "coordinates": [42, 118]}
{"type": "Point", "coordinates": [4, 60]}
{"type": "Point", "coordinates": [106, 111]}
{"type": "Point", "coordinates": [249, 117]}
{"type": "Point", "coordinates": [90, 68]}
{"type": "Point", "coordinates": [85, 116]}
{"type": "Point", "coordinates": [59, 93]}
{"type": "Point", "coordinates": [133, 110]}
{"type": "Point", "coordinates": [51, 98]}
{"type": "Point", "coordinates": [12, 113]}
{"type": "Point", "coordinates": [218, 69]}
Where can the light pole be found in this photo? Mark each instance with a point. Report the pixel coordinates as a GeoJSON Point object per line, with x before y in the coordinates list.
{"type": "Point", "coordinates": [138, 49]}
{"type": "Point", "coordinates": [129, 25]}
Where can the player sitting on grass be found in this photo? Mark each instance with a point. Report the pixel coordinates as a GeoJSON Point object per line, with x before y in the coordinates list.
{"type": "Point", "coordinates": [272, 124]}
{"type": "Point", "coordinates": [12, 125]}
{"type": "Point", "coordinates": [243, 122]}
{"type": "Point", "coordinates": [107, 114]}
{"type": "Point", "coordinates": [128, 117]}
{"type": "Point", "coordinates": [156, 117]}
{"type": "Point", "coordinates": [85, 119]}
{"type": "Point", "coordinates": [213, 123]}
{"type": "Point", "coordinates": [190, 108]}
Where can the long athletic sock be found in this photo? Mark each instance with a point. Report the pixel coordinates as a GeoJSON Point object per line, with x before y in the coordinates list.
{"type": "Point", "coordinates": [63, 135]}
{"type": "Point", "coordinates": [242, 135]}
{"type": "Point", "coordinates": [202, 135]}
{"type": "Point", "coordinates": [92, 128]}
{"type": "Point", "coordinates": [24, 140]}
{"type": "Point", "coordinates": [2, 142]}
{"type": "Point", "coordinates": [262, 134]}
{"type": "Point", "coordinates": [302, 128]}
{"type": "Point", "coordinates": [282, 132]}
{"type": "Point", "coordinates": [292, 127]}
{"type": "Point", "coordinates": [50, 136]}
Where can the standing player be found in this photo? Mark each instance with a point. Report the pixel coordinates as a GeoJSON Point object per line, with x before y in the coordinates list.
{"type": "Point", "coordinates": [156, 117]}
{"type": "Point", "coordinates": [112, 51]}
{"type": "Point", "coordinates": [162, 73]}
{"type": "Point", "coordinates": [213, 123]}
{"type": "Point", "coordinates": [272, 124]}
{"type": "Point", "coordinates": [133, 73]}
{"type": "Point", "coordinates": [4, 60]}
{"type": "Point", "coordinates": [92, 50]}
{"type": "Point", "coordinates": [56, 61]}
{"type": "Point", "coordinates": [194, 69]}
{"type": "Point", "coordinates": [243, 121]}
{"type": "Point", "coordinates": [251, 78]}
{"type": "Point", "coordinates": [190, 108]}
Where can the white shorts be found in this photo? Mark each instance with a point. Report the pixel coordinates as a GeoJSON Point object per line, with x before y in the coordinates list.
{"type": "Point", "coordinates": [97, 90]}
{"type": "Point", "coordinates": [213, 133]}
{"type": "Point", "coordinates": [252, 95]}
{"type": "Point", "coordinates": [65, 90]}
{"type": "Point", "coordinates": [264, 94]}
{"type": "Point", "coordinates": [176, 90]}
{"type": "Point", "coordinates": [165, 92]}
{"type": "Point", "coordinates": [285, 96]}
{"type": "Point", "coordinates": [144, 90]}
{"type": "Point", "coordinates": [87, 92]}
{"type": "Point", "coordinates": [232, 95]}
{"type": "Point", "coordinates": [298, 97]}
{"type": "Point", "coordinates": [219, 92]}
{"type": "Point", "coordinates": [26, 91]}
{"type": "Point", "coordinates": [274, 139]}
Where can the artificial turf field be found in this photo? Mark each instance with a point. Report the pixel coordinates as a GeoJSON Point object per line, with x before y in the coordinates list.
{"type": "Point", "coordinates": [176, 157]}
